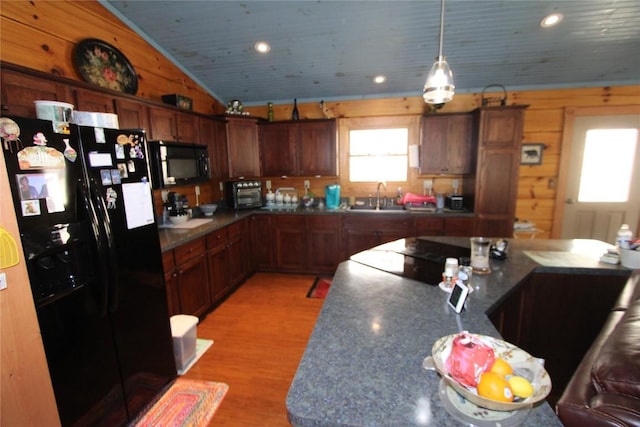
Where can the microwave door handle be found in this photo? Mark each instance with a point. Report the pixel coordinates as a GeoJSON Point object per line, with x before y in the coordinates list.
{"type": "Point", "coordinates": [204, 165]}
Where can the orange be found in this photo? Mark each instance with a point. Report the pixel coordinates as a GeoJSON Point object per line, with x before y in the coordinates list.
{"type": "Point", "coordinates": [502, 368]}
{"type": "Point", "coordinates": [493, 386]}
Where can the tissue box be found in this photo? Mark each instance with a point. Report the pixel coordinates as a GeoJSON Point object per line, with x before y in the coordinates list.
{"type": "Point", "coordinates": [184, 332]}
{"type": "Point", "coordinates": [179, 101]}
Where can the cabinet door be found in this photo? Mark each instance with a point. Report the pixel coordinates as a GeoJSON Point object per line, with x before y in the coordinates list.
{"type": "Point", "coordinates": [219, 284]}
{"type": "Point", "coordinates": [132, 114]}
{"type": "Point", "coordinates": [187, 127]}
{"type": "Point", "coordinates": [426, 226]}
{"type": "Point", "coordinates": [163, 125]}
{"type": "Point", "coordinates": [291, 242]}
{"type": "Point", "coordinates": [262, 242]}
{"type": "Point", "coordinates": [278, 145]}
{"type": "Point", "coordinates": [358, 240]}
{"type": "Point", "coordinates": [324, 243]}
{"type": "Point", "coordinates": [19, 91]}
{"type": "Point", "coordinates": [243, 147]}
{"type": "Point", "coordinates": [212, 133]}
{"type": "Point", "coordinates": [93, 101]}
{"type": "Point", "coordinates": [171, 283]}
{"type": "Point", "coordinates": [447, 144]}
{"type": "Point", "coordinates": [317, 148]}
{"type": "Point", "coordinates": [458, 226]}
{"type": "Point", "coordinates": [496, 201]}
{"type": "Point", "coordinates": [237, 260]}
{"type": "Point", "coordinates": [501, 128]}
{"type": "Point", "coordinates": [193, 288]}
{"type": "Point", "coordinates": [460, 150]}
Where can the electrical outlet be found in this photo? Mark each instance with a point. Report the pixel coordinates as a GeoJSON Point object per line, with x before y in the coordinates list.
{"type": "Point", "coordinates": [3, 281]}
{"type": "Point", "coordinates": [268, 184]}
{"type": "Point", "coordinates": [164, 194]}
{"type": "Point", "coordinates": [197, 190]}
{"type": "Point", "coordinates": [221, 186]}
{"type": "Point", "coordinates": [307, 184]}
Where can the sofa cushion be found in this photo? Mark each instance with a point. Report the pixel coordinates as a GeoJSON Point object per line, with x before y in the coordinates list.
{"type": "Point", "coordinates": [617, 367]}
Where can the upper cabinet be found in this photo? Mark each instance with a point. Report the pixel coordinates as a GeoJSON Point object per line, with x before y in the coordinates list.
{"type": "Point", "coordinates": [170, 125]}
{"type": "Point", "coordinates": [242, 147]}
{"type": "Point", "coordinates": [212, 133]}
{"type": "Point", "coordinates": [132, 114]}
{"type": "Point", "coordinates": [20, 90]}
{"type": "Point", "coordinates": [93, 101]}
{"type": "Point", "coordinates": [447, 144]}
{"type": "Point", "coordinates": [301, 148]}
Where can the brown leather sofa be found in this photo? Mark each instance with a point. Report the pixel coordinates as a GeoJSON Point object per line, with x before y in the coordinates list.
{"type": "Point", "coordinates": [605, 388]}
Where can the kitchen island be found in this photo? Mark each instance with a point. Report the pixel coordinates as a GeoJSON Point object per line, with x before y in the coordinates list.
{"type": "Point", "coordinates": [363, 362]}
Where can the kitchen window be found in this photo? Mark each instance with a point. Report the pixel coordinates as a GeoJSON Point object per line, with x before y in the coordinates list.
{"type": "Point", "coordinates": [377, 148]}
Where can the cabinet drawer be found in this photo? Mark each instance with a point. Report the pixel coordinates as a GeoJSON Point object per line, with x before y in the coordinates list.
{"type": "Point", "coordinates": [216, 239]}
{"type": "Point", "coordinates": [189, 250]}
{"type": "Point", "coordinates": [378, 222]}
{"type": "Point", "coordinates": [167, 261]}
{"type": "Point", "coordinates": [324, 222]}
{"type": "Point", "coordinates": [235, 230]}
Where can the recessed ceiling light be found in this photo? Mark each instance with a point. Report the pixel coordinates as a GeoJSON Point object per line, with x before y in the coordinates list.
{"type": "Point", "coordinates": [262, 47]}
{"type": "Point", "coordinates": [379, 79]}
{"type": "Point", "coordinates": [551, 20]}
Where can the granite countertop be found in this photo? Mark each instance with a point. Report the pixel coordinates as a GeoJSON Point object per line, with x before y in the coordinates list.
{"type": "Point", "coordinates": [363, 363]}
{"type": "Point", "coordinates": [171, 237]}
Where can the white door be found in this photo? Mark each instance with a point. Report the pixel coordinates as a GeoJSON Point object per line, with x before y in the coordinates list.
{"type": "Point", "coordinates": [603, 178]}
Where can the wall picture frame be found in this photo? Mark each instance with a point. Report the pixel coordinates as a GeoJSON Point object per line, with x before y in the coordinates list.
{"type": "Point", "coordinates": [531, 154]}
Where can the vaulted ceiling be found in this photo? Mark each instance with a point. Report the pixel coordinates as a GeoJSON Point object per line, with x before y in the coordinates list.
{"type": "Point", "coordinates": [331, 50]}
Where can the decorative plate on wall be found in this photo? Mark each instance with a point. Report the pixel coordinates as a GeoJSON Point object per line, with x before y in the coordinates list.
{"type": "Point", "coordinates": [104, 65]}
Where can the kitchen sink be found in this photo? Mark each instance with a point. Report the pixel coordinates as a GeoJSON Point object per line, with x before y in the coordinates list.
{"type": "Point", "coordinates": [382, 209]}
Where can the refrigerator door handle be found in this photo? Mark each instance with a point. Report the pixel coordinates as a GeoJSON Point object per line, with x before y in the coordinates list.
{"type": "Point", "coordinates": [103, 271]}
{"type": "Point", "coordinates": [111, 263]}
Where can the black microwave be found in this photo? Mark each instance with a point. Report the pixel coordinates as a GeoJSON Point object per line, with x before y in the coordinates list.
{"type": "Point", "coordinates": [174, 163]}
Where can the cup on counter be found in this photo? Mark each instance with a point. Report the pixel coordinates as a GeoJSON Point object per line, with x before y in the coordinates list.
{"type": "Point", "coordinates": [480, 255]}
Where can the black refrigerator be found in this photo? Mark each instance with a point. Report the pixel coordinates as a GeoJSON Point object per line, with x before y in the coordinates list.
{"type": "Point", "coordinates": [84, 205]}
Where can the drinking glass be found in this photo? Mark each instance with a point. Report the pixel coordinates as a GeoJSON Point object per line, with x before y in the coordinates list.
{"type": "Point", "coordinates": [480, 255]}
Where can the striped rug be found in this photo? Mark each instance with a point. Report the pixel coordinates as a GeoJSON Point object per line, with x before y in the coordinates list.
{"type": "Point", "coordinates": [185, 403]}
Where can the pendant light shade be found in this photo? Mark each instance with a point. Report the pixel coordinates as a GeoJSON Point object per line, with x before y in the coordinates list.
{"type": "Point", "coordinates": [439, 87]}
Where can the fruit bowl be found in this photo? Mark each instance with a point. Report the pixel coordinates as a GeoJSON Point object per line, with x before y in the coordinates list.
{"type": "Point", "coordinates": [522, 362]}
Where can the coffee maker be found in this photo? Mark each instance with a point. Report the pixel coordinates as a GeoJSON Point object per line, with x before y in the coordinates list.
{"type": "Point", "coordinates": [176, 204]}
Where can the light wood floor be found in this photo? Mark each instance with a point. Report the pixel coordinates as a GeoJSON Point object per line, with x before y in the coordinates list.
{"type": "Point", "coordinates": [259, 333]}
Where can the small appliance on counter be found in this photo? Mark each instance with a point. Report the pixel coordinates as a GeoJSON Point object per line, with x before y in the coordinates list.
{"type": "Point", "coordinates": [243, 194]}
{"type": "Point", "coordinates": [454, 202]}
{"type": "Point", "coordinates": [332, 196]}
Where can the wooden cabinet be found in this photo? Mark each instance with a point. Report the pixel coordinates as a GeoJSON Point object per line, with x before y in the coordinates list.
{"type": "Point", "coordinates": [212, 133]}
{"type": "Point", "coordinates": [305, 148]}
{"type": "Point", "coordinates": [93, 101]}
{"type": "Point", "coordinates": [227, 259]}
{"type": "Point", "coordinates": [243, 147]}
{"type": "Point", "coordinates": [495, 185]}
{"type": "Point", "coordinates": [291, 242]}
{"type": "Point", "coordinates": [262, 242]}
{"type": "Point", "coordinates": [360, 233]}
{"type": "Point", "coordinates": [171, 283]}
{"type": "Point", "coordinates": [20, 90]}
{"type": "Point", "coordinates": [324, 243]}
{"type": "Point", "coordinates": [278, 147]}
{"type": "Point", "coordinates": [185, 281]}
{"type": "Point", "coordinates": [429, 226]}
{"type": "Point", "coordinates": [132, 114]}
{"type": "Point", "coordinates": [169, 125]}
{"type": "Point", "coordinates": [447, 144]}
{"type": "Point", "coordinates": [458, 226]}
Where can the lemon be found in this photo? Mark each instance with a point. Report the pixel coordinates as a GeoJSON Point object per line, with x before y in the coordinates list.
{"type": "Point", "coordinates": [520, 386]}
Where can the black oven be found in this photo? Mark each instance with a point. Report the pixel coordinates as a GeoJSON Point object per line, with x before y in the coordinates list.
{"type": "Point", "coordinates": [243, 194]}
{"type": "Point", "coordinates": [174, 163]}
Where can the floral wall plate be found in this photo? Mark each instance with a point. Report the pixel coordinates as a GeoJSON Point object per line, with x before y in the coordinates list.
{"type": "Point", "coordinates": [103, 65]}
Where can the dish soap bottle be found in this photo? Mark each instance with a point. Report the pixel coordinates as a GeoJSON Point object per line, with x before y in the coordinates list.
{"type": "Point", "coordinates": [294, 113]}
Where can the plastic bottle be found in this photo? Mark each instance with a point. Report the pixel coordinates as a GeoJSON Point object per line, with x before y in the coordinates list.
{"type": "Point", "coordinates": [625, 235]}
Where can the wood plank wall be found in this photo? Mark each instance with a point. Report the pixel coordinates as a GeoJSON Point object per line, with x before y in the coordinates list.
{"type": "Point", "coordinates": [33, 35]}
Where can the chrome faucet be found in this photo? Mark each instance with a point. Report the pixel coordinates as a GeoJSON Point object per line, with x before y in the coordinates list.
{"type": "Point", "coordinates": [384, 184]}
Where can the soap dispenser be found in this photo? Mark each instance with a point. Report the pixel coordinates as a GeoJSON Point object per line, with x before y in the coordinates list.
{"type": "Point", "coordinates": [271, 198]}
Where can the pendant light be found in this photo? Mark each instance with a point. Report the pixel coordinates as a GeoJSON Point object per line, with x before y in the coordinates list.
{"type": "Point", "coordinates": [439, 87]}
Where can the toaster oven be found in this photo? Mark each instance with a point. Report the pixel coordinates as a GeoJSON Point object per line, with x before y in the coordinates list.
{"type": "Point", "coordinates": [243, 194]}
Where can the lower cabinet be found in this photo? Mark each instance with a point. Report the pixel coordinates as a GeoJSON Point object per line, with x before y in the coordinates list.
{"type": "Point", "coordinates": [227, 258]}
{"type": "Point", "coordinates": [324, 243]}
{"type": "Point", "coordinates": [458, 226]}
{"type": "Point", "coordinates": [361, 233]}
{"type": "Point", "coordinates": [262, 242]}
{"type": "Point", "coordinates": [291, 242]}
{"type": "Point", "coordinates": [187, 293]}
